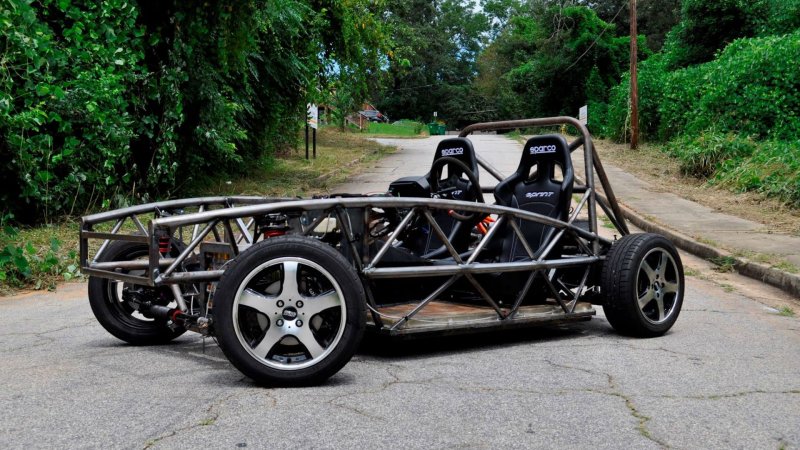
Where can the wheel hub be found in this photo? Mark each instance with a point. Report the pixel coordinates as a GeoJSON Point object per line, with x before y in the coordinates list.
{"type": "Point", "coordinates": [657, 289]}
{"type": "Point", "coordinates": [289, 313]}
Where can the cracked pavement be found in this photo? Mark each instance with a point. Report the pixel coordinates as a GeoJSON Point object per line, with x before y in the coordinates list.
{"type": "Point", "coordinates": [726, 376]}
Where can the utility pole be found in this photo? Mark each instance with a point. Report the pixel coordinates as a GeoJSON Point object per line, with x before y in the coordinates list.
{"type": "Point", "coordinates": [634, 81]}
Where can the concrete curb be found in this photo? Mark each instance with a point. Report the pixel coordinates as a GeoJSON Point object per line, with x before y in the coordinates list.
{"type": "Point", "coordinates": [785, 281]}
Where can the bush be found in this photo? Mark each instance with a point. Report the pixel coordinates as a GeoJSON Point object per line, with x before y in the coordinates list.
{"type": "Point", "coordinates": [28, 263]}
{"type": "Point", "coordinates": [772, 170]}
{"type": "Point", "coordinates": [752, 87]}
{"type": "Point", "coordinates": [705, 27]}
{"type": "Point", "coordinates": [66, 115]}
{"type": "Point", "coordinates": [702, 155]}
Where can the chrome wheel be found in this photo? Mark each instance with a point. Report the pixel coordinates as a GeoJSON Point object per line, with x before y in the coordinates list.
{"type": "Point", "coordinates": [289, 313]}
{"type": "Point", "coordinates": [658, 286]}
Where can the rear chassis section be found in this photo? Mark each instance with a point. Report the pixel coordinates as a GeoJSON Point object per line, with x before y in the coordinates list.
{"type": "Point", "coordinates": [191, 242]}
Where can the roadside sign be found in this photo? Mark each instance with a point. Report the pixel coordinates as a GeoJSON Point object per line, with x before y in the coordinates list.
{"type": "Point", "coordinates": [312, 115]}
{"type": "Point", "coordinates": [583, 114]}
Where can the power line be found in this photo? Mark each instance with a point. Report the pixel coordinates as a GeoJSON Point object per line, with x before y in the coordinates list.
{"type": "Point", "coordinates": [596, 39]}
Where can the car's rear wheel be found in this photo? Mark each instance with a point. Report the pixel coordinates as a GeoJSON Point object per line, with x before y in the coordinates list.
{"type": "Point", "coordinates": [643, 285]}
{"type": "Point", "coordinates": [113, 302]}
{"type": "Point", "coordinates": [289, 311]}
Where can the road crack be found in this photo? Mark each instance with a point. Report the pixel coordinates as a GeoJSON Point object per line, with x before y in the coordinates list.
{"type": "Point", "coordinates": [614, 390]}
{"type": "Point", "coordinates": [212, 414]}
{"type": "Point", "coordinates": [729, 395]}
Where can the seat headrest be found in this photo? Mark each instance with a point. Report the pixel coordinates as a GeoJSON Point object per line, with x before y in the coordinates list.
{"type": "Point", "coordinates": [545, 150]}
{"type": "Point", "coordinates": [459, 148]}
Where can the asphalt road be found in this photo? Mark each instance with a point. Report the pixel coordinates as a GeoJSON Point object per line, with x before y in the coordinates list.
{"type": "Point", "coordinates": [726, 376]}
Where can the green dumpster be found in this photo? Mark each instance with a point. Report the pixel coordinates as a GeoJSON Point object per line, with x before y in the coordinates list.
{"type": "Point", "coordinates": [436, 129]}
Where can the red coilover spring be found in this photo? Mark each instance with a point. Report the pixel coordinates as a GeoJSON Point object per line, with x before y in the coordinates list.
{"type": "Point", "coordinates": [273, 233]}
{"type": "Point", "coordinates": [164, 244]}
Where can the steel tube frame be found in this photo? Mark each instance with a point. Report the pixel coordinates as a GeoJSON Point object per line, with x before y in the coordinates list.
{"type": "Point", "coordinates": [213, 210]}
{"type": "Point", "coordinates": [212, 217]}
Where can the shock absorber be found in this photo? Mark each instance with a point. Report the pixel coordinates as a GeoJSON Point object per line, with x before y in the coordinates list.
{"type": "Point", "coordinates": [164, 245]}
{"type": "Point", "coordinates": [273, 225]}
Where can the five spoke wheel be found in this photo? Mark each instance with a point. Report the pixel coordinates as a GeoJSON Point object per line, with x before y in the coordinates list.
{"type": "Point", "coordinates": [658, 285]}
{"type": "Point", "coordinates": [297, 332]}
{"type": "Point", "coordinates": [642, 282]}
{"type": "Point", "coordinates": [290, 311]}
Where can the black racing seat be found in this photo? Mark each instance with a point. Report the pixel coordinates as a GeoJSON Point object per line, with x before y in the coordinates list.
{"type": "Point", "coordinates": [455, 185]}
{"type": "Point", "coordinates": [542, 184]}
{"type": "Point", "coordinates": [446, 180]}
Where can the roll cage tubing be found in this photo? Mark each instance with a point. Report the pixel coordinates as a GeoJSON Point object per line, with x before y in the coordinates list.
{"type": "Point", "coordinates": [168, 218]}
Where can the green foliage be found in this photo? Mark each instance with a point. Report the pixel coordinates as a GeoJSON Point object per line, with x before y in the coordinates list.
{"type": "Point", "coordinates": [433, 61]}
{"type": "Point", "coordinates": [102, 103]}
{"type": "Point", "coordinates": [702, 155]}
{"type": "Point", "coordinates": [707, 26]}
{"type": "Point", "coordinates": [65, 114]}
{"type": "Point", "coordinates": [652, 76]}
{"type": "Point", "coordinates": [399, 128]}
{"type": "Point", "coordinates": [735, 118]}
{"type": "Point", "coordinates": [552, 61]}
{"type": "Point", "coordinates": [752, 87]}
{"type": "Point", "coordinates": [21, 262]}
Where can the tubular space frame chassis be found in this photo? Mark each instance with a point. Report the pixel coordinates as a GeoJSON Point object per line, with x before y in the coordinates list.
{"type": "Point", "coordinates": [230, 222]}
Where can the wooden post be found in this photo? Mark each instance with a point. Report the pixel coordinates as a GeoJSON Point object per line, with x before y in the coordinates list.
{"type": "Point", "coordinates": [306, 140]}
{"type": "Point", "coordinates": [314, 140]}
{"type": "Point", "coordinates": [634, 81]}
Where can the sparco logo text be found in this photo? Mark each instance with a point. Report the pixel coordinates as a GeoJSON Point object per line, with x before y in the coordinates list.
{"type": "Point", "coordinates": [453, 151]}
{"type": "Point", "coordinates": [536, 149]}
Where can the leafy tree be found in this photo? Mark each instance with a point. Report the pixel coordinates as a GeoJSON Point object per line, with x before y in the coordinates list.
{"type": "Point", "coordinates": [435, 46]}
{"type": "Point", "coordinates": [108, 102]}
{"type": "Point", "coordinates": [551, 61]}
{"type": "Point", "coordinates": [707, 26]}
{"type": "Point", "coordinates": [655, 18]}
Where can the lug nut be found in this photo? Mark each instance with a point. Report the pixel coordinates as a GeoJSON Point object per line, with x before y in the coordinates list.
{"type": "Point", "coordinates": [299, 323]}
{"type": "Point", "coordinates": [280, 303]}
{"type": "Point", "coordinates": [299, 304]}
{"type": "Point", "coordinates": [279, 322]}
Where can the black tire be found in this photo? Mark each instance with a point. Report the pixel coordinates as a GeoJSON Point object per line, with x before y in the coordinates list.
{"type": "Point", "coordinates": [117, 316]}
{"type": "Point", "coordinates": [282, 332]}
{"type": "Point", "coordinates": [643, 285]}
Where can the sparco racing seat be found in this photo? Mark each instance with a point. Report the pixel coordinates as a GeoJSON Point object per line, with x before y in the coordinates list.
{"type": "Point", "coordinates": [542, 184]}
{"type": "Point", "coordinates": [453, 176]}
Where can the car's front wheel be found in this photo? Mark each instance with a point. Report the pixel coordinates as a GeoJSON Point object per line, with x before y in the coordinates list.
{"type": "Point", "coordinates": [643, 285]}
{"type": "Point", "coordinates": [289, 311]}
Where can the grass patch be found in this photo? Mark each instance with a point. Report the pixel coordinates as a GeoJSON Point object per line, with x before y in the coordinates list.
{"type": "Point", "coordinates": [786, 266]}
{"type": "Point", "coordinates": [706, 241]}
{"type": "Point", "coordinates": [690, 272]}
{"type": "Point", "coordinates": [724, 264]}
{"type": "Point", "coordinates": [786, 311]}
{"type": "Point", "coordinates": [607, 223]}
{"type": "Point", "coordinates": [771, 260]}
{"type": "Point", "coordinates": [653, 163]}
{"type": "Point", "coordinates": [770, 168]}
{"type": "Point", "coordinates": [406, 128]}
